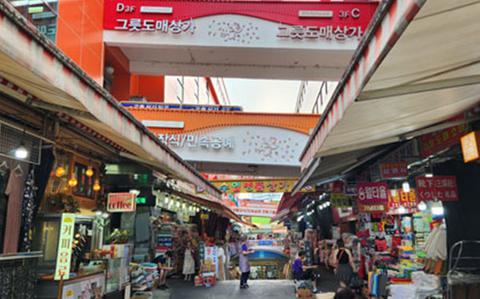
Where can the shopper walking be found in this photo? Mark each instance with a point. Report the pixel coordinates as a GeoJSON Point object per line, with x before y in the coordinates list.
{"type": "Point", "coordinates": [188, 262]}
{"type": "Point", "coordinates": [344, 264]}
{"type": "Point", "coordinates": [244, 262]}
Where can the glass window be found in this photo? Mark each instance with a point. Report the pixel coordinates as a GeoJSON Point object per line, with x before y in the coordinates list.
{"type": "Point", "coordinates": [84, 186]}
{"type": "Point", "coordinates": [41, 13]}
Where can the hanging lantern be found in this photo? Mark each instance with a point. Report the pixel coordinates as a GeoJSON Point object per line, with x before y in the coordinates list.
{"type": "Point", "coordinates": [89, 171]}
{"type": "Point", "coordinates": [72, 182]}
{"type": "Point", "coordinates": [60, 171]}
{"type": "Point", "coordinates": [96, 186]}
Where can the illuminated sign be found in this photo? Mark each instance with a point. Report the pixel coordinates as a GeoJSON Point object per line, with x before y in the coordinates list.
{"type": "Point", "coordinates": [65, 242]}
{"type": "Point", "coordinates": [141, 200]}
{"type": "Point", "coordinates": [121, 202]}
{"type": "Point", "coordinates": [470, 149]}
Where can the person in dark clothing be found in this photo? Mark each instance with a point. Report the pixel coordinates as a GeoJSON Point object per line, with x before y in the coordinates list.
{"type": "Point", "coordinates": [164, 263]}
{"type": "Point", "coordinates": [344, 293]}
{"type": "Point", "coordinates": [300, 271]}
{"type": "Point", "coordinates": [344, 264]}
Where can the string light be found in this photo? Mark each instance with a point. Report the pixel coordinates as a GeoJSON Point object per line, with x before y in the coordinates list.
{"type": "Point", "coordinates": [21, 152]}
{"type": "Point", "coordinates": [422, 206]}
{"type": "Point", "coordinates": [60, 171]}
{"type": "Point", "coordinates": [89, 172]}
{"type": "Point", "coordinates": [72, 182]}
{"type": "Point", "coordinates": [96, 186]}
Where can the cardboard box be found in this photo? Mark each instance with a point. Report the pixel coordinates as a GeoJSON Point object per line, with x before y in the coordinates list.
{"type": "Point", "coordinates": [325, 296]}
{"type": "Point", "coordinates": [142, 295]}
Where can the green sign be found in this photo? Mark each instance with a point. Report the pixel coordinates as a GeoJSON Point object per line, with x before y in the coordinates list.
{"type": "Point", "coordinates": [141, 200]}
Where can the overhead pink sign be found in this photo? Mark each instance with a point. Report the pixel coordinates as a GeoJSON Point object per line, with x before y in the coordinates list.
{"type": "Point", "coordinates": [372, 197]}
{"type": "Point", "coordinates": [443, 188]}
{"type": "Point", "coordinates": [372, 193]}
{"type": "Point", "coordinates": [178, 17]}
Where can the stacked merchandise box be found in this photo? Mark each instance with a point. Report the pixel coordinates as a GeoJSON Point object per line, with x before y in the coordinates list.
{"type": "Point", "coordinates": [143, 276]}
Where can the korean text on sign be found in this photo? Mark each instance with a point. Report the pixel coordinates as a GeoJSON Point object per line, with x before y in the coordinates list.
{"type": "Point", "coordinates": [194, 141]}
{"type": "Point", "coordinates": [393, 170]}
{"type": "Point", "coordinates": [372, 193]}
{"type": "Point", "coordinates": [339, 33]}
{"type": "Point", "coordinates": [149, 25]}
{"type": "Point", "coordinates": [401, 198]}
{"type": "Point", "coordinates": [65, 242]}
{"type": "Point", "coordinates": [443, 188]}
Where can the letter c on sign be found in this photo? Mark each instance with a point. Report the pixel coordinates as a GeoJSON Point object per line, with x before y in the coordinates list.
{"type": "Point", "coordinates": [355, 13]}
{"type": "Point", "coordinates": [120, 7]}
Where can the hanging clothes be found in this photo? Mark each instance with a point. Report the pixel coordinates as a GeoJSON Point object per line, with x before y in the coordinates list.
{"type": "Point", "coordinates": [28, 210]}
{"type": "Point", "coordinates": [14, 191]}
{"type": "Point", "coordinates": [4, 175]}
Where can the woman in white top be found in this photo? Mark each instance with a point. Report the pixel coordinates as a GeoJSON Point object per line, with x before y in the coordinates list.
{"type": "Point", "coordinates": [188, 262]}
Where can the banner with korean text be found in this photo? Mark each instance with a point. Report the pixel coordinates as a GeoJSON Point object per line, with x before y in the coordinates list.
{"type": "Point", "coordinates": [398, 198]}
{"type": "Point", "coordinates": [258, 186]}
{"type": "Point", "coordinates": [65, 242]}
{"type": "Point", "coordinates": [443, 188]}
{"type": "Point", "coordinates": [372, 197]}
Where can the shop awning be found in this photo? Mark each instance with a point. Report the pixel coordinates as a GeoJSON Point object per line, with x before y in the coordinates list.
{"type": "Point", "coordinates": [417, 66]}
{"type": "Point", "coordinates": [334, 167]}
{"type": "Point", "coordinates": [218, 207]}
{"type": "Point", "coordinates": [286, 205]}
{"type": "Point", "coordinates": [34, 71]}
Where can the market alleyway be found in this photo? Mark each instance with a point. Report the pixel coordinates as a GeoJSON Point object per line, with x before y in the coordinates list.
{"type": "Point", "coordinates": [274, 289]}
{"type": "Point", "coordinates": [278, 289]}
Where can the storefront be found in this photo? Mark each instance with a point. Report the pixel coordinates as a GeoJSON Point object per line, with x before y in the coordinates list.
{"type": "Point", "coordinates": [59, 129]}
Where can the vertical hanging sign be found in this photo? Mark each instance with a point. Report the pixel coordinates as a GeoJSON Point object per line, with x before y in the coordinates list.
{"type": "Point", "coordinates": [64, 252]}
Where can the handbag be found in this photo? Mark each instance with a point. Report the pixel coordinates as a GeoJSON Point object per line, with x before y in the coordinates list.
{"type": "Point", "coordinates": [356, 282]}
{"type": "Point", "coordinates": [335, 267]}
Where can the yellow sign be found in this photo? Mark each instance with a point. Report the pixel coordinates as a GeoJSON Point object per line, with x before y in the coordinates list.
{"type": "Point", "coordinates": [258, 186]}
{"type": "Point", "coordinates": [64, 252]}
{"type": "Point", "coordinates": [470, 147]}
{"type": "Point", "coordinates": [340, 200]}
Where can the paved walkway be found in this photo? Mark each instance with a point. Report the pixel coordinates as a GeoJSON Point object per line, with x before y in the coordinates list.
{"type": "Point", "coordinates": [265, 289]}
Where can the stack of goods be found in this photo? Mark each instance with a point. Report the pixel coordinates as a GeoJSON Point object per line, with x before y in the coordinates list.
{"type": "Point", "coordinates": [303, 289]}
{"type": "Point", "coordinates": [143, 276]}
{"type": "Point", "coordinates": [406, 252]}
{"type": "Point", "coordinates": [377, 283]}
{"type": "Point", "coordinates": [207, 276]}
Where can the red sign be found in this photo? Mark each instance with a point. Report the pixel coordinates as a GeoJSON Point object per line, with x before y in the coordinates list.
{"type": "Point", "coordinates": [372, 197]}
{"type": "Point", "coordinates": [178, 17]}
{"type": "Point", "coordinates": [399, 198]}
{"type": "Point", "coordinates": [393, 170]}
{"type": "Point", "coordinates": [443, 188]}
{"type": "Point", "coordinates": [121, 202]}
{"type": "Point", "coordinates": [437, 141]}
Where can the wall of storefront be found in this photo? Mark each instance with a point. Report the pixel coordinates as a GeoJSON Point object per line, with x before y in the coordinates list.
{"type": "Point", "coordinates": [462, 217]}
{"type": "Point", "coordinates": [80, 34]}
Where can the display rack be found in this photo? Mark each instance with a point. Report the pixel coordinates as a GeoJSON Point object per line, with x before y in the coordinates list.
{"type": "Point", "coordinates": [463, 269]}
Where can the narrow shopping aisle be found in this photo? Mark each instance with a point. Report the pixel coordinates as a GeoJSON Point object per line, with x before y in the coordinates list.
{"type": "Point", "coordinates": [278, 289]}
